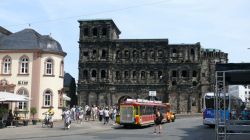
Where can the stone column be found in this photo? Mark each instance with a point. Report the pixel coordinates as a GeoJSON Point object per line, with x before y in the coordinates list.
{"type": "Point", "coordinates": [97, 98]}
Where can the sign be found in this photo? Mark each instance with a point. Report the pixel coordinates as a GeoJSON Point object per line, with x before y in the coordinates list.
{"type": "Point", "coordinates": [152, 93]}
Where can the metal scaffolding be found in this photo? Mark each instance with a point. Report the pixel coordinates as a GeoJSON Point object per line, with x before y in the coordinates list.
{"type": "Point", "coordinates": [224, 127]}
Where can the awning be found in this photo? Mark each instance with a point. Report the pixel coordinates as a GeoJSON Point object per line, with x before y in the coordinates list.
{"type": "Point", "coordinates": [11, 97]}
{"type": "Point", "coordinates": [66, 98]}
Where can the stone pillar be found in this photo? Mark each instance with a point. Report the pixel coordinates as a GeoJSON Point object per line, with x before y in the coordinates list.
{"type": "Point", "coordinates": [87, 98]}
{"type": "Point", "coordinates": [189, 103]}
{"type": "Point", "coordinates": [97, 98]}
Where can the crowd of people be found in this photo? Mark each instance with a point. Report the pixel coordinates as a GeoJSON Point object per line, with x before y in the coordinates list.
{"type": "Point", "coordinates": [91, 113]}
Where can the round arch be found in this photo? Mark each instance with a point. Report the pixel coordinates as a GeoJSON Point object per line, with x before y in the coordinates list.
{"type": "Point", "coordinates": [123, 98]}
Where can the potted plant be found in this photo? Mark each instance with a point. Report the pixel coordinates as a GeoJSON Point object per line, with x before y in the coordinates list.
{"type": "Point", "coordinates": [2, 112]}
{"type": "Point", "coordinates": [33, 111]}
{"type": "Point", "coordinates": [25, 121]}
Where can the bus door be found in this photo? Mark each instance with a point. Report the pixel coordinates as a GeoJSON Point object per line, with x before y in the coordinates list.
{"type": "Point", "coordinates": [127, 114]}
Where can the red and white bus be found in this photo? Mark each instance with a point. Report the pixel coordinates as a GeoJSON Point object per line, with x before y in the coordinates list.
{"type": "Point", "coordinates": [141, 112]}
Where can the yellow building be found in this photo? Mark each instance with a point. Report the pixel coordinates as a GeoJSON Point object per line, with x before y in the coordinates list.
{"type": "Point", "coordinates": [32, 65]}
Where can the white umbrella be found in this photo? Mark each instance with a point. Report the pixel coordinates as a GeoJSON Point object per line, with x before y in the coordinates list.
{"type": "Point", "coordinates": [66, 98]}
{"type": "Point", "coordinates": [11, 97]}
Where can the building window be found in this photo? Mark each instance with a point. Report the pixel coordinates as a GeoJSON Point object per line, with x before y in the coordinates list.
{"type": "Point", "coordinates": [47, 98]}
{"type": "Point", "coordinates": [118, 54]}
{"type": "Point", "coordinates": [151, 74]}
{"type": "Point", "coordinates": [126, 74]}
{"type": "Point", "coordinates": [117, 75]}
{"type": "Point", "coordinates": [62, 68]}
{"type": "Point", "coordinates": [135, 54]}
{"type": "Point", "coordinates": [94, 52]}
{"type": "Point", "coordinates": [23, 105]}
{"type": "Point", "coordinates": [24, 65]}
{"type": "Point", "coordinates": [127, 54]}
{"type": "Point", "coordinates": [143, 75]}
{"type": "Point", "coordinates": [134, 74]}
{"type": "Point", "coordinates": [174, 73]}
{"type": "Point", "coordinates": [160, 53]}
{"type": "Point", "coordinates": [104, 54]}
{"type": "Point", "coordinates": [152, 54]}
{"type": "Point", "coordinates": [192, 52]}
{"type": "Point", "coordinates": [194, 74]}
{"type": "Point", "coordinates": [49, 67]}
{"type": "Point", "coordinates": [86, 31]}
{"type": "Point", "coordinates": [94, 31]}
{"type": "Point", "coordinates": [6, 65]}
{"type": "Point", "coordinates": [103, 74]}
{"type": "Point", "coordinates": [184, 73]}
{"type": "Point", "coordinates": [93, 74]}
{"type": "Point", "coordinates": [86, 53]}
{"type": "Point", "coordinates": [104, 31]}
{"type": "Point", "coordinates": [143, 54]}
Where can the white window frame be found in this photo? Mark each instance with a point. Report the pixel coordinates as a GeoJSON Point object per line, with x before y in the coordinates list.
{"type": "Point", "coordinates": [47, 101]}
{"type": "Point", "coordinates": [23, 105]}
{"type": "Point", "coordinates": [7, 65]}
{"type": "Point", "coordinates": [49, 67]}
{"type": "Point", "coordinates": [24, 65]}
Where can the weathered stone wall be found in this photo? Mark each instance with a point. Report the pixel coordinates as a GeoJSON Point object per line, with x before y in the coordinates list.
{"type": "Point", "coordinates": [112, 69]}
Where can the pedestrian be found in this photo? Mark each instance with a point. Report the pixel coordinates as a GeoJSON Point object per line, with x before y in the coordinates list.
{"type": "Point", "coordinates": [106, 115]}
{"type": "Point", "coordinates": [81, 113]}
{"type": "Point", "coordinates": [158, 121]}
{"type": "Point", "coordinates": [101, 111]}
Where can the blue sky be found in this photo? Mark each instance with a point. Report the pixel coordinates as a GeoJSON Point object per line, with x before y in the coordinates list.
{"type": "Point", "coordinates": [221, 24]}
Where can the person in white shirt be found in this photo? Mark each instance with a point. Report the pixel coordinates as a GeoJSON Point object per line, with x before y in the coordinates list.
{"type": "Point", "coordinates": [106, 115]}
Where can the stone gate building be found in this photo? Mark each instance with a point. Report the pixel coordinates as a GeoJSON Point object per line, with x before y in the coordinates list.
{"type": "Point", "coordinates": [113, 69]}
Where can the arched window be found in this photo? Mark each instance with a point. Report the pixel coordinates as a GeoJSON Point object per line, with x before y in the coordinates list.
{"type": "Point", "coordinates": [104, 54]}
{"type": "Point", "coordinates": [135, 54]}
{"type": "Point", "coordinates": [143, 54]}
{"type": "Point", "coordinates": [117, 75]}
{"type": "Point", "coordinates": [49, 67]}
{"type": "Point", "coordinates": [152, 54]}
{"type": "Point", "coordinates": [126, 54]}
{"type": "Point", "coordinates": [24, 65]}
{"type": "Point", "coordinates": [6, 65]}
{"type": "Point", "coordinates": [22, 105]}
{"type": "Point", "coordinates": [126, 74]}
{"type": "Point", "coordinates": [143, 75]}
{"type": "Point", "coordinates": [94, 31]}
{"type": "Point", "coordinates": [93, 74]}
{"type": "Point", "coordinates": [174, 73]}
{"type": "Point", "coordinates": [85, 74]}
{"type": "Point", "coordinates": [103, 74]}
{"type": "Point", "coordinates": [151, 74]}
{"type": "Point", "coordinates": [160, 53]}
{"type": "Point", "coordinates": [134, 74]}
{"type": "Point", "coordinates": [194, 73]}
{"type": "Point", "coordinates": [62, 68]}
{"type": "Point", "coordinates": [118, 54]}
{"type": "Point", "coordinates": [47, 98]}
{"type": "Point", "coordinates": [192, 52]}
{"type": "Point", "coordinates": [184, 73]}
{"type": "Point", "coordinates": [86, 31]}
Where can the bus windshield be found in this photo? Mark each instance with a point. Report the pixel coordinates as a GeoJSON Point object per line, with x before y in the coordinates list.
{"type": "Point", "coordinates": [209, 102]}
